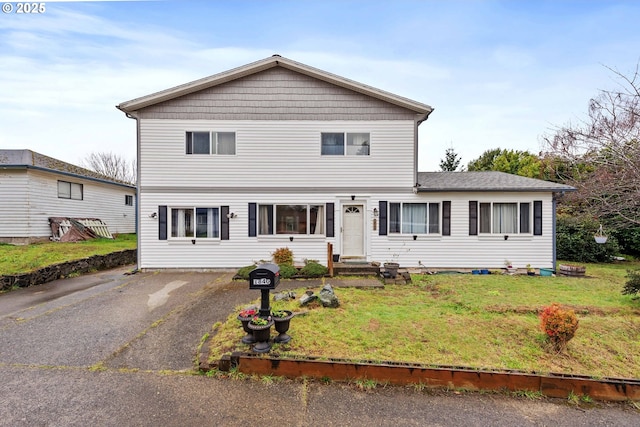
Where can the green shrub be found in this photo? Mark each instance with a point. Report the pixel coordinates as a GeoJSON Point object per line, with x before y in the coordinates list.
{"type": "Point", "coordinates": [575, 242]}
{"type": "Point", "coordinates": [628, 239]}
{"type": "Point", "coordinates": [287, 271]}
{"type": "Point", "coordinates": [243, 273]}
{"type": "Point", "coordinates": [314, 269]}
{"type": "Point", "coordinates": [283, 256]}
{"type": "Point", "coordinates": [632, 287]}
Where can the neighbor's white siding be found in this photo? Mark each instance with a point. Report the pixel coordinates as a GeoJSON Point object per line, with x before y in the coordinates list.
{"type": "Point", "coordinates": [14, 203]}
{"type": "Point", "coordinates": [281, 154]}
{"type": "Point", "coordinates": [103, 201]}
{"type": "Point", "coordinates": [456, 251]}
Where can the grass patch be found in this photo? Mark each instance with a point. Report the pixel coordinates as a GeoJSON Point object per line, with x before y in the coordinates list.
{"type": "Point", "coordinates": [28, 258]}
{"type": "Point", "coordinates": [467, 320]}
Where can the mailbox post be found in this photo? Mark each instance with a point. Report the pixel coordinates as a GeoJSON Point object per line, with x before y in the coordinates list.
{"type": "Point", "coordinates": [264, 277]}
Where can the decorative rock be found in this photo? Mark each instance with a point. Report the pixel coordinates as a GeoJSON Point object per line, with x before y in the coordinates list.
{"type": "Point", "coordinates": [284, 296]}
{"type": "Point", "coordinates": [306, 298]}
{"type": "Point", "coordinates": [328, 298]}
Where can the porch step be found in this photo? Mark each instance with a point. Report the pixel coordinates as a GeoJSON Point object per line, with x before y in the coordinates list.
{"type": "Point", "coordinates": [355, 269]}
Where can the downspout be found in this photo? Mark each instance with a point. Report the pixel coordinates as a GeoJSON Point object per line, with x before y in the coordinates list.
{"type": "Point", "coordinates": [419, 119]}
{"type": "Point", "coordinates": [553, 230]}
{"type": "Point", "coordinates": [137, 198]}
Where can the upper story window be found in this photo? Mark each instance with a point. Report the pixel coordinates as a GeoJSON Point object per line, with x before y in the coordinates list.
{"type": "Point", "coordinates": [505, 218]}
{"type": "Point", "coordinates": [341, 144]}
{"type": "Point", "coordinates": [70, 190]}
{"type": "Point", "coordinates": [220, 143]}
{"type": "Point", "coordinates": [291, 219]}
{"type": "Point", "coordinates": [128, 200]}
{"type": "Point", "coordinates": [195, 223]}
{"type": "Point", "coordinates": [414, 218]}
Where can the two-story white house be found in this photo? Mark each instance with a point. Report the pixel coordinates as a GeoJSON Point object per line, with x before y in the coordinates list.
{"type": "Point", "coordinates": [279, 154]}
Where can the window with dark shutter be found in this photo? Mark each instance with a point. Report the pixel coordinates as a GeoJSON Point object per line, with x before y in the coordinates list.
{"type": "Point", "coordinates": [446, 218]}
{"type": "Point", "coordinates": [473, 218]}
{"type": "Point", "coordinates": [224, 222]}
{"type": "Point", "coordinates": [329, 207]}
{"type": "Point", "coordinates": [537, 217]}
{"type": "Point", "coordinates": [252, 219]}
{"type": "Point", "coordinates": [382, 207]}
{"type": "Point", "coordinates": [162, 222]}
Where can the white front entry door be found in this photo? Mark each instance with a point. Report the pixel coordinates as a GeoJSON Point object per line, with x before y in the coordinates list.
{"type": "Point", "coordinates": [353, 231]}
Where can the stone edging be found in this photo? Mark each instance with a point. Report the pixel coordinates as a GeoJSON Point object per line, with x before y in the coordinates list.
{"type": "Point", "coordinates": [57, 271]}
{"type": "Point", "coordinates": [551, 385]}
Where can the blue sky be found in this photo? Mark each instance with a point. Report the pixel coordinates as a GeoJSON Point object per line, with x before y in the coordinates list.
{"type": "Point", "coordinates": [498, 73]}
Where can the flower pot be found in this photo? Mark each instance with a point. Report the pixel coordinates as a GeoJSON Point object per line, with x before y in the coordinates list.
{"type": "Point", "coordinates": [247, 339]}
{"type": "Point", "coordinates": [282, 326]}
{"type": "Point", "coordinates": [392, 268]}
{"type": "Point", "coordinates": [261, 335]}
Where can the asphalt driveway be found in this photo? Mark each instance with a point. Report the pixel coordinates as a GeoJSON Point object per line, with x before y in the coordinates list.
{"type": "Point", "coordinates": [117, 349]}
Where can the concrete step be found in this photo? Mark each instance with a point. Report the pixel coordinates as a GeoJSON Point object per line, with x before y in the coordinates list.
{"type": "Point", "coordinates": [355, 269]}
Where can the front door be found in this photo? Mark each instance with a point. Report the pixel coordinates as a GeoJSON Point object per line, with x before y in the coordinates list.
{"type": "Point", "coordinates": [353, 231]}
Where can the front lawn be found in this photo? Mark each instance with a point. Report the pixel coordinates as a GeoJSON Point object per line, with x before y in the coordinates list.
{"type": "Point", "coordinates": [467, 320]}
{"type": "Point", "coordinates": [27, 258]}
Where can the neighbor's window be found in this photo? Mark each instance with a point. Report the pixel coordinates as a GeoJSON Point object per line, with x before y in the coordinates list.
{"type": "Point", "coordinates": [128, 200]}
{"type": "Point", "coordinates": [333, 144]}
{"type": "Point", "coordinates": [505, 218]}
{"type": "Point", "coordinates": [70, 190]}
{"type": "Point", "coordinates": [291, 219]}
{"type": "Point", "coordinates": [195, 223]}
{"type": "Point", "coordinates": [414, 218]}
{"type": "Point", "coordinates": [220, 143]}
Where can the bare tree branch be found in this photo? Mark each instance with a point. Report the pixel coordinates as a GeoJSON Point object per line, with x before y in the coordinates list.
{"type": "Point", "coordinates": [111, 165]}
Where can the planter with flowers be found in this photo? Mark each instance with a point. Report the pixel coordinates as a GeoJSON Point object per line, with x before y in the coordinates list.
{"type": "Point", "coordinates": [245, 317]}
{"type": "Point", "coordinates": [261, 328]}
{"type": "Point", "coordinates": [282, 319]}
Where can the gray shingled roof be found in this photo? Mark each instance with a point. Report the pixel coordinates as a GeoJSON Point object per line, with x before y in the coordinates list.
{"type": "Point", "coordinates": [484, 181]}
{"type": "Point", "coordinates": [31, 159]}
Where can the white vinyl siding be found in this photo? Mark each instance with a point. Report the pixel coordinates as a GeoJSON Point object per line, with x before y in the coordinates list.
{"type": "Point", "coordinates": [40, 201]}
{"type": "Point", "coordinates": [276, 155]}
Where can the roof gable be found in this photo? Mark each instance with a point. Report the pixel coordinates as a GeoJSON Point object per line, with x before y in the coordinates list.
{"type": "Point", "coordinates": [484, 181]}
{"type": "Point", "coordinates": [266, 64]}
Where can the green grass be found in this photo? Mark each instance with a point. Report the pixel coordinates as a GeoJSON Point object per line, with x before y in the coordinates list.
{"type": "Point", "coordinates": [468, 320]}
{"type": "Point", "coordinates": [27, 258]}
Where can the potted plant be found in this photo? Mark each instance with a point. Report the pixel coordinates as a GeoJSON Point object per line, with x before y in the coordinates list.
{"type": "Point", "coordinates": [530, 270]}
{"type": "Point", "coordinates": [261, 328]}
{"type": "Point", "coordinates": [509, 266]}
{"type": "Point", "coordinates": [245, 317]}
{"type": "Point", "coordinates": [282, 319]}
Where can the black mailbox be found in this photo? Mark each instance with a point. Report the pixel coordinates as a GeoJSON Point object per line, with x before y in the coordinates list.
{"type": "Point", "coordinates": [264, 276]}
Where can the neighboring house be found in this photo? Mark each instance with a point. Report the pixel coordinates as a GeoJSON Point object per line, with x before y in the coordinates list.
{"type": "Point", "coordinates": [34, 187]}
{"type": "Point", "coordinates": [279, 154]}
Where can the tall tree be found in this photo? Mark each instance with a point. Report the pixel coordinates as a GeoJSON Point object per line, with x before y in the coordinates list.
{"type": "Point", "coordinates": [607, 141]}
{"type": "Point", "coordinates": [515, 162]}
{"type": "Point", "coordinates": [451, 161]}
{"type": "Point", "coordinates": [111, 165]}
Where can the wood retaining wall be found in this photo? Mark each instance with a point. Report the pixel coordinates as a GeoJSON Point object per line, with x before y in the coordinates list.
{"type": "Point", "coordinates": [551, 385]}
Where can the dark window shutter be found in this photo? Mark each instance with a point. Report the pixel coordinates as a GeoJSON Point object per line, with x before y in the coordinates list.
{"type": "Point", "coordinates": [224, 222]}
{"type": "Point", "coordinates": [473, 218]}
{"type": "Point", "coordinates": [252, 219]}
{"type": "Point", "coordinates": [446, 218]}
{"type": "Point", "coordinates": [162, 222]}
{"type": "Point", "coordinates": [537, 217]}
{"type": "Point", "coordinates": [329, 208]}
{"type": "Point", "coordinates": [382, 207]}
{"type": "Point", "coordinates": [524, 218]}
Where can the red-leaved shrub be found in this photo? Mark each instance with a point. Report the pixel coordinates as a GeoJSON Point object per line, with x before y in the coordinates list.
{"type": "Point", "coordinates": [559, 324]}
